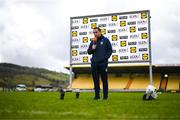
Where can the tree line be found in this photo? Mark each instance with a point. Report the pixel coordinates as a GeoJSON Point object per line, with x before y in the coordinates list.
{"type": "Point", "coordinates": [8, 72]}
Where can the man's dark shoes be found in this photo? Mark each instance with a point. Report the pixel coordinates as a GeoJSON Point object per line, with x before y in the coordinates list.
{"type": "Point", "coordinates": [96, 98]}
{"type": "Point", "coordinates": [105, 98]}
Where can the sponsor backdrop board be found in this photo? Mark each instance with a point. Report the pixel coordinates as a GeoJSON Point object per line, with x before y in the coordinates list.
{"type": "Point", "coordinates": [128, 33]}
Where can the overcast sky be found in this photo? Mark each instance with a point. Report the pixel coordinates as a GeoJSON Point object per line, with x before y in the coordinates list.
{"type": "Point", "coordinates": [36, 33]}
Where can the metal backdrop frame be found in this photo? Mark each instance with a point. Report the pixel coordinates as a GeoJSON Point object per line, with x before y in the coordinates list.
{"type": "Point", "coordinates": [100, 15]}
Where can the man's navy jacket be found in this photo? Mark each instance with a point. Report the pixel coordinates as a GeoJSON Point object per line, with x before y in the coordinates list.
{"type": "Point", "coordinates": [103, 50]}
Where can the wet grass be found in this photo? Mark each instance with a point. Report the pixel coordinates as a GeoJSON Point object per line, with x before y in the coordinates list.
{"type": "Point", "coordinates": [121, 106]}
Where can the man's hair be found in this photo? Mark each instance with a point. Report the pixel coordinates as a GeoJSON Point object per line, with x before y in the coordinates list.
{"type": "Point", "coordinates": [99, 29]}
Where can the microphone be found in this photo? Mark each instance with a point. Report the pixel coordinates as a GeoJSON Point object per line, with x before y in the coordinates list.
{"type": "Point", "coordinates": [94, 43]}
{"type": "Point", "coordinates": [94, 40]}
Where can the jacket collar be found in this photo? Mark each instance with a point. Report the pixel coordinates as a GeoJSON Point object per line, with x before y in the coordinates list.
{"type": "Point", "coordinates": [101, 37]}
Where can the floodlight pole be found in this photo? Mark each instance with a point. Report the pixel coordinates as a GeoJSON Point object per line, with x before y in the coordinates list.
{"type": "Point", "coordinates": [150, 73]}
{"type": "Point", "coordinates": [150, 56]}
{"type": "Point", "coordinates": [71, 77]}
{"type": "Point", "coordinates": [70, 67]}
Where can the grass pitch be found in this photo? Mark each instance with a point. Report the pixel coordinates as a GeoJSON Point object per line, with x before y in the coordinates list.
{"type": "Point", "coordinates": [119, 106]}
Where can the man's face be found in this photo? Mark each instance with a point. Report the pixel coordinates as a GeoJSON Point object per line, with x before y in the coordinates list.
{"type": "Point", "coordinates": [97, 33]}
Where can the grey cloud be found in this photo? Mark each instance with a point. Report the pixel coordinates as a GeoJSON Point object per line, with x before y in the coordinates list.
{"type": "Point", "coordinates": [50, 44]}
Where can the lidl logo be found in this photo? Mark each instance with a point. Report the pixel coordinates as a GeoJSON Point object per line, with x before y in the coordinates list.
{"type": "Point", "coordinates": [85, 59]}
{"type": "Point", "coordinates": [114, 37]}
{"type": "Point", "coordinates": [93, 25]}
{"type": "Point", "coordinates": [114, 51]}
{"type": "Point", "coordinates": [145, 56]}
{"type": "Point", "coordinates": [123, 43]}
{"type": "Point", "coordinates": [133, 49]}
{"type": "Point", "coordinates": [143, 15]}
{"type": "Point", "coordinates": [144, 35]}
{"type": "Point", "coordinates": [114, 18]}
{"type": "Point", "coordinates": [114, 57]}
{"type": "Point", "coordinates": [74, 33]}
{"type": "Point", "coordinates": [122, 23]}
{"type": "Point", "coordinates": [132, 29]}
{"type": "Point", "coordinates": [74, 52]}
{"type": "Point", "coordinates": [85, 39]}
{"type": "Point", "coordinates": [85, 20]}
{"type": "Point", "coordinates": [103, 31]}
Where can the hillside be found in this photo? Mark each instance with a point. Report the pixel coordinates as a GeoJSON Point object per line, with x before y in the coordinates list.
{"type": "Point", "coordinates": [11, 75]}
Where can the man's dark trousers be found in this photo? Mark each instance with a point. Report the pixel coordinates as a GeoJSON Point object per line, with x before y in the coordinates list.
{"type": "Point", "coordinates": [100, 69]}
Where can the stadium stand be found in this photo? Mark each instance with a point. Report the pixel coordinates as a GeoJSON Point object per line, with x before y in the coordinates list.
{"type": "Point", "coordinates": [140, 81]}
{"type": "Point", "coordinates": [156, 80]}
{"type": "Point", "coordinates": [173, 82]}
{"type": "Point", "coordinates": [118, 82]}
{"type": "Point", "coordinates": [131, 77]}
{"type": "Point", "coordinates": [129, 83]}
{"type": "Point", "coordinates": [82, 81]}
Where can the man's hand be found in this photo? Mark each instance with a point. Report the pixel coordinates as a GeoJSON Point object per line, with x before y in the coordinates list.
{"type": "Point", "coordinates": [93, 47]}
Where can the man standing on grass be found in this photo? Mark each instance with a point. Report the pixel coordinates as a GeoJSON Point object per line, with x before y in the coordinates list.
{"type": "Point", "coordinates": [101, 49]}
